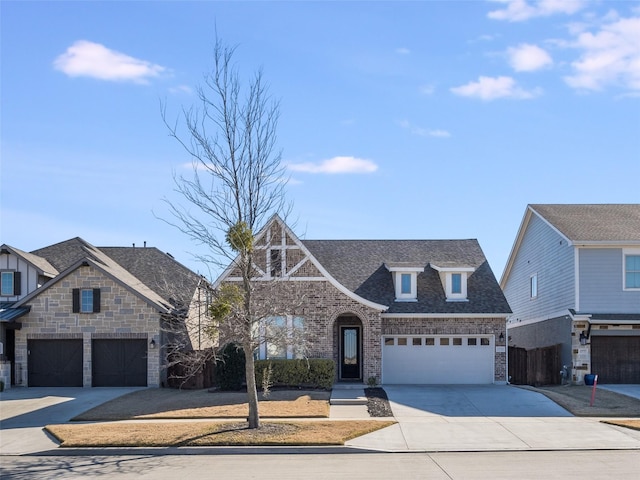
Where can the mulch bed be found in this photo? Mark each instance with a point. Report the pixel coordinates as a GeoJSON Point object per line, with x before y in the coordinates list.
{"type": "Point", "coordinates": [378, 402]}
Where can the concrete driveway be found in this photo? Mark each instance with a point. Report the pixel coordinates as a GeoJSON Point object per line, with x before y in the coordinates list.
{"type": "Point", "coordinates": [24, 411]}
{"type": "Point", "coordinates": [487, 418]}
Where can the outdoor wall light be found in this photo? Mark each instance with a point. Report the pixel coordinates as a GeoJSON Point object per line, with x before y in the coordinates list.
{"type": "Point", "coordinates": [501, 337]}
{"type": "Point", "coordinates": [152, 344]}
{"type": "Point", "coordinates": [583, 338]}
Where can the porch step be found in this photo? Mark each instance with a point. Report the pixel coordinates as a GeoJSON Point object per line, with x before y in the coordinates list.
{"type": "Point", "coordinates": [348, 396]}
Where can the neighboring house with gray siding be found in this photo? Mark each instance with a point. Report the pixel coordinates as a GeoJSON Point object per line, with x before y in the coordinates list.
{"type": "Point", "coordinates": [400, 311]}
{"type": "Point", "coordinates": [78, 315]}
{"type": "Point", "coordinates": [573, 278]}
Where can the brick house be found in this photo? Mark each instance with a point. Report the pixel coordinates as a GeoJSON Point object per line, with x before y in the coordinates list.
{"type": "Point", "coordinates": [77, 315]}
{"type": "Point", "coordinates": [401, 311]}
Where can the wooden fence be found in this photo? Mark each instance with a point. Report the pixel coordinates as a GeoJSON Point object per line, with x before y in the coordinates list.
{"type": "Point", "coordinates": [539, 366]}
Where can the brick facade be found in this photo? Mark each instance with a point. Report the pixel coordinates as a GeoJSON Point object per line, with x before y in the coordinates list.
{"type": "Point", "coordinates": [325, 308]}
{"type": "Point", "coordinates": [123, 315]}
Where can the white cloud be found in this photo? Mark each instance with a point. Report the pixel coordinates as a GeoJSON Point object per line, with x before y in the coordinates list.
{"type": "Point", "coordinates": [528, 58]}
{"type": "Point", "coordinates": [336, 165]}
{"type": "Point", "coordinates": [610, 56]}
{"type": "Point", "coordinates": [424, 132]}
{"type": "Point", "coordinates": [492, 88]}
{"type": "Point", "coordinates": [89, 59]}
{"type": "Point", "coordinates": [521, 10]}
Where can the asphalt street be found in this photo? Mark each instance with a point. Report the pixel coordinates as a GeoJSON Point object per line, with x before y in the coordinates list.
{"type": "Point", "coordinates": [584, 465]}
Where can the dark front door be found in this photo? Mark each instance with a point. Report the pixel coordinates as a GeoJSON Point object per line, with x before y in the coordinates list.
{"type": "Point", "coordinates": [54, 363]}
{"type": "Point", "coordinates": [119, 363]}
{"type": "Point", "coordinates": [350, 353]}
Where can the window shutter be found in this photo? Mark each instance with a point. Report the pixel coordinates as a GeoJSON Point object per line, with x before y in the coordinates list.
{"type": "Point", "coordinates": [76, 300]}
{"type": "Point", "coordinates": [16, 283]}
{"type": "Point", "coordinates": [96, 300]}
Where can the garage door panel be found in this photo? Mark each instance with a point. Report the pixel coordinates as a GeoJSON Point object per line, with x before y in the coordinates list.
{"type": "Point", "coordinates": [462, 363]}
{"type": "Point", "coordinates": [119, 363]}
{"type": "Point", "coordinates": [616, 359]}
{"type": "Point", "coordinates": [55, 363]}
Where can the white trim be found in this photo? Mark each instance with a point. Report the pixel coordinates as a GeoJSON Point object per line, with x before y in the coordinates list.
{"type": "Point", "coordinates": [562, 313]}
{"type": "Point", "coordinates": [453, 269]}
{"type": "Point", "coordinates": [613, 322]}
{"type": "Point", "coordinates": [625, 253]}
{"type": "Point", "coordinates": [397, 272]}
{"type": "Point", "coordinates": [444, 315]}
{"type": "Point", "coordinates": [576, 275]}
{"type": "Point", "coordinates": [311, 258]}
{"type": "Point", "coordinates": [531, 285]}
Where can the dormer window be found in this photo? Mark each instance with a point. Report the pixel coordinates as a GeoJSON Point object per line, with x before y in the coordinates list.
{"type": "Point", "coordinates": [405, 282]}
{"type": "Point", "coordinates": [454, 281]}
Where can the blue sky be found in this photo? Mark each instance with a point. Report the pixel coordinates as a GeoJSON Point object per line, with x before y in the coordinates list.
{"type": "Point", "coordinates": [398, 120]}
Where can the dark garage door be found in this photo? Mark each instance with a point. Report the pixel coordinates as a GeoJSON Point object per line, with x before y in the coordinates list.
{"type": "Point", "coordinates": [54, 363]}
{"type": "Point", "coordinates": [119, 363]}
{"type": "Point", "coordinates": [616, 359]}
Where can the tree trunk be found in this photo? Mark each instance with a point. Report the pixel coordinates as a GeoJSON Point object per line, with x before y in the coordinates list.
{"type": "Point", "coordinates": [252, 392]}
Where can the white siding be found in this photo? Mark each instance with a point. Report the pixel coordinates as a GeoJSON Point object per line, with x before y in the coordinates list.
{"type": "Point", "coordinates": [545, 253]}
{"type": "Point", "coordinates": [601, 289]}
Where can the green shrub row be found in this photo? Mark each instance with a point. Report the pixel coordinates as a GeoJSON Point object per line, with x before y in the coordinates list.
{"type": "Point", "coordinates": [309, 373]}
{"type": "Point", "coordinates": [230, 368]}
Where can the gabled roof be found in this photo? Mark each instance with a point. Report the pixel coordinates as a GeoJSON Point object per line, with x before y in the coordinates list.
{"type": "Point", "coordinates": [39, 263]}
{"type": "Point", "coordinates": [593, 223]}
{"type": "Point", "coordinates": [360, 269]}
{"type": "Point", "coordinates": [157, 271]}
{"type": "Point", "coordinates": [582, 224]}
{"type": "Point", "coordinates": [359, 265]}
{"type": "Point", "coordinates": [99, 260]}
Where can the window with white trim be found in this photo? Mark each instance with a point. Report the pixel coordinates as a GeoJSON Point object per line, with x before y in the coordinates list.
{"type": "Point", "coordinates": [632, 271]}
{"type": "Point", "coordinates": [533, 286]}
{"type": "Point", "coordinates": [405, 282]}
{"type": "Point", "coordinates": [454, 281]}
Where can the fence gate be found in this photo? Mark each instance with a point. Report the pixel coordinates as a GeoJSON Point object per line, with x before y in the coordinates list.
{"type": "Point", "coordinates": [539, 366]}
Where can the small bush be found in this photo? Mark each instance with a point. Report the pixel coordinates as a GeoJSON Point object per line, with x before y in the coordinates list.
{"type": "Point", "coordinates": [230, 368]}
{"type": "Point", "coordinates": [311, 373]}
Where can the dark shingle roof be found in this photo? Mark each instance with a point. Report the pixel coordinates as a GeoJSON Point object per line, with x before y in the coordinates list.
{"type": "Point", "coordinates": [595, 222]}
{"type": "Point", "coordinates": [359, 265]}
{"type": "Point", "coordinates": [156, 270]}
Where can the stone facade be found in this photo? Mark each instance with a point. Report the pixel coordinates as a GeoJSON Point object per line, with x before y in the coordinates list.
{"type": "Point", "coordinates": [122, 315]}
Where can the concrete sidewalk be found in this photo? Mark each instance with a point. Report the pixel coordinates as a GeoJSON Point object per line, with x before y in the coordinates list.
{"type": "Point", "coordinates": [430, 419]}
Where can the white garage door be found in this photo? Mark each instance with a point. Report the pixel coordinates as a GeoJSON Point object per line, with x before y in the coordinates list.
{"type": "Point", "coordinates": [437, 359]}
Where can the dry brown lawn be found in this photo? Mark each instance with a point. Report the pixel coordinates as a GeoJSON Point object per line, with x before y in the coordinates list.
{"type": "Point", "coordinates": [199, 433]}
{"type": "Point", "coordinates": [634, 424]}
{"type": "Point", "coordinates": [165, 403]}
{"type": "Point", "coordinates": [577, 400]}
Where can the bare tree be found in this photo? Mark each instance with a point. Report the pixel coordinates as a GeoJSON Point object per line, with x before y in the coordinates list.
{"type": "Point", "coordinates": [236, 184]}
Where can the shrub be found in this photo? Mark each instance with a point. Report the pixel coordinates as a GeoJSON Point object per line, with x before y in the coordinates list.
{"type": "Point", "coordinates": [309, 373]}
{"type": "Point", "coordinates": [230, 373]}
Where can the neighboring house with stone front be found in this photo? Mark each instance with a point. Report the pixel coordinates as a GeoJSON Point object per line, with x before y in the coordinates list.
{"type": "Point", "coordinates": [77, 315]}
{"type": "Point", "coordinates": [573, 279]}
{"type": "Point", "coordinates": [400, 311]}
